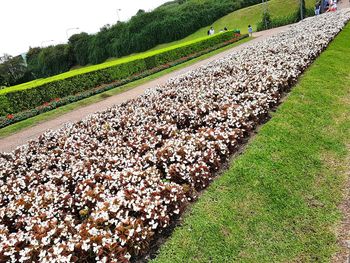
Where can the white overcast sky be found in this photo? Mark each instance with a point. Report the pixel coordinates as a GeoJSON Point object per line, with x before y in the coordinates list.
{"type": "Point", "coordinates": [25, 23]}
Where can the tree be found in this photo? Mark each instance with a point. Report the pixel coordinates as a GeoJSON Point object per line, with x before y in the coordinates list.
{"type": "Point", "coordinates": [33, 61]}
{"type": "Point", "coordinates": [12, 69]}
{"type": "Point", "coordinates": [2, 80]}
{"type": "Point", "coordinates": [141, 11]}
{"type": "Point", "coordinates": [55, 60]}
{"type": "Point", "coordinates": [79, 44]}
{"type": "Point", "coordinates": [302, 9]}
{"type": "Point", "coordinates": [98, 47]}
{"type": "Point", "coordinates": [266, 19]}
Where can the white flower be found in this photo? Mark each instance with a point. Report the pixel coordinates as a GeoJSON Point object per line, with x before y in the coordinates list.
{"type": "Point", "coordinates": [85, 246]}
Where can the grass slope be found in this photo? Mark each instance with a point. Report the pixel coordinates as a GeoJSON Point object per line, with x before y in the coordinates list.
{"type": "Point", "coordinates": [11, 129]}
{"type": "Point", "coordinates": [242, 18]}
{"type": "Point", "coordinates": [278, 201]}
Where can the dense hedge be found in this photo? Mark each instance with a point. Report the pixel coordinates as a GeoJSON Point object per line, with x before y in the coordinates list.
{"type": "Point", "coordinates": [28, 99]}
{"type": "Point", "coordinates": [268, 22]}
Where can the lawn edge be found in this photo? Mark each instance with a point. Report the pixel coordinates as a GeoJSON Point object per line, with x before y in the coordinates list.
{"type": "Point", "coordinates": [343, 239]}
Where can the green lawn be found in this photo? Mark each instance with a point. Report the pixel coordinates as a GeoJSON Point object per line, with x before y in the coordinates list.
{"type": "Point", "coordinates": [240, 19]}
{"type": "Point", "coordinates": [278, 200]}
{"type": "Point", "coordinates": [11, 129]}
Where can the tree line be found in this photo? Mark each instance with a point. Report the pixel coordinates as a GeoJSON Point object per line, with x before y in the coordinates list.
{"type": "Point", "coordinates": [171, 21]}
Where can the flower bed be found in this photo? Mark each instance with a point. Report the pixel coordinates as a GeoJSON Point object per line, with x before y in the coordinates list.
{"type": "Point", "coordinates": [102, 188]}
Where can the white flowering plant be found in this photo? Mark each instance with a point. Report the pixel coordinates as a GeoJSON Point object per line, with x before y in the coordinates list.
{"type": "Point", "coordinates": [101, 189]}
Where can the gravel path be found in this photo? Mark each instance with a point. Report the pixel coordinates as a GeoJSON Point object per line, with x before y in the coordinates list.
{"type": "Point", "coordinates": [11, 142]}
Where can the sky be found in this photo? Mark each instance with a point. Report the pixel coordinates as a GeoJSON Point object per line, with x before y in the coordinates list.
{"type": "Point", "coordinates": [35, 23]}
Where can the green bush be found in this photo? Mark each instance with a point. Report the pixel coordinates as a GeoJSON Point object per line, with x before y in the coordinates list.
{"type": "Point", "coordinates": [15, 101]}
{"type": "Point", "coordinates": [282, 20]}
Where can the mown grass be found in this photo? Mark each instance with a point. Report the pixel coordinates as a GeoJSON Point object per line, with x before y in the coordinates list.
{"type": "Point", "coordinates": [278, 200]}
{"type": "Point", "coordinates": [11, 129]}
{"type": "Point", "coordinates": [241, 18]}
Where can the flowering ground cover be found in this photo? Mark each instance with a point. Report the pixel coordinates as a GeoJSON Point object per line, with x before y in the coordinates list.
{"type": "Point", "coordinates": [102, 188]}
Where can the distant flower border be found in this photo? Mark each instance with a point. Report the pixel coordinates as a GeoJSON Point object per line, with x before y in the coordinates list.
{"type": "Point", "coordinates": [58, 102]}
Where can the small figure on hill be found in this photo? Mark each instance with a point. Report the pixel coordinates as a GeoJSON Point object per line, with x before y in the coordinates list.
{"type": "Point", "coordinates": [211, 31]}
{"type": "Point", "coordinates": [225, 28]}
{"type": "Point", "coordinates": [331, 6]}
{"type": "Point", "coordinates": [326, 5]}
{"type": "Point", "coordinates": [317, 8]}
{"type": "Point", "coordinates": [335, 6]}
{"type": "Point", "coordinates": [250, 30]}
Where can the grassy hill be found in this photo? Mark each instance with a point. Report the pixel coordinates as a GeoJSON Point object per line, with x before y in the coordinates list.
{"type": "Point", "coordinates": [242, 18]}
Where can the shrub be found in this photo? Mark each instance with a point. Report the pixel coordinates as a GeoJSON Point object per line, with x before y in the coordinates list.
{"type": "Point", "coordinates": [282, 20]}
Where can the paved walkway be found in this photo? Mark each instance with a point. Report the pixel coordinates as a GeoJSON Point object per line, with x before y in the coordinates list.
{"type": "Point", "coordinates": [9, 143]}
{"type": "Point", "coordinates": [344, 4]}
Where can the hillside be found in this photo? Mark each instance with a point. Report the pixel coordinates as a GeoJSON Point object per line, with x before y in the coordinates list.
{"type": "Point", "coordinates": [241, 18]}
